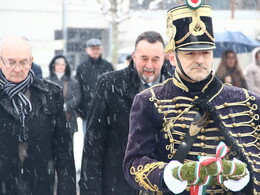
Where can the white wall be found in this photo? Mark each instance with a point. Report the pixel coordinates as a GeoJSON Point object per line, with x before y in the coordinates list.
{"type": "Point", "coordinates": [37, 20]}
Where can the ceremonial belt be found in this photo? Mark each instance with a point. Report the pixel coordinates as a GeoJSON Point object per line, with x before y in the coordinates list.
{"type": "Point", "coordinates": [199, 122]}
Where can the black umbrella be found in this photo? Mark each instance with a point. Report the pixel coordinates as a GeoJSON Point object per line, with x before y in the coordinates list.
{"type": "Point", "coordinates": [233, 40]}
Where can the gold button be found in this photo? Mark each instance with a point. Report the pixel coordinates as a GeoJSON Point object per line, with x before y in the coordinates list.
{"type": "Point", "coordinates": [252, 124]}
{"type": "Point", "coordinates": [239, 134]}
{"type": "Point", "coordinates": [183, 126]}
{"type": "Point", "coordinates": [244, 144]}
{"type": "Point", "coordinates": [179, 111]}
{"type": "Point", "coordinates": [166, 113]}
{"type": "Point", "coordinates": [203, 131]}
{"type": "Point", "coordinates": [182, 119]}
{"type": "Point", "coordinates": [254, 161]}
{"type": "Point", "coordinates": [251, 113]}
{"type": "Point", "coordinates": [203, 154]}
{"type": "Point", "coordinates": [171, 140]}
{"type": "Point", "coordinates": [181, 138]}
{"type": "Point", "coordinates": [230, 115]}
{"type": "Point", "coordinates": [177, 105]}
{"type": "Point", "coordinates": [160, 107]}
{"type": "Point", "coordinates": [202, 145]}
{"type": "Point", "coordinates": [258, 144]}
{"type": "Point", "coordinates": [250, 153]}
{"type": "Point", "coordinates": [171, 125]}
{"type": "Point", "coordinates": [256, 134]}
{"type": "Point", "coordinates": [218, 139]}
{"type": "Point", "coordinates": [202, 137]}
{"type": "Point", "coordinates": [196, 97]}
{"type": "Point", "coordinates": [234, 125]}
{"type": "Point", "coordinates": [225, 104]}
{"type": "Point", "coordinates": [248, 104]}
{"type": "Point", "coordinates": [173, 100]}
{"type": "Point", "coordinates": [158, 101]}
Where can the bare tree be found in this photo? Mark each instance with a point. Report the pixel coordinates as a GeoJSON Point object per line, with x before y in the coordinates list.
{"type": "Point", "coordinates": [116, 12]}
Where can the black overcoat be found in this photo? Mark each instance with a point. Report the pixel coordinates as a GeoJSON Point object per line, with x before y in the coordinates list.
{"type": "Point", "coordinates": [107, 133]}
{"type": "Point", "coordinates": [49, 145]}
{"type": "Point", "coordinates": [87, 74]}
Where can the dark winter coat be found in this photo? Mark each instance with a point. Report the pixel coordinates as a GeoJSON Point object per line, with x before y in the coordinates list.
{"type": "Point", "coordinates": [106, 138]}
{"type": "Point", "coordinates": [87, 74]}
{"type": "Point", "coordinates": [71, 93]}
{"type": "Point", "coordinates": [37, 70]}
{"type": "Point", "coordinates": [49, 145]}
{"type": "Point", "coordinates": [161, 117]}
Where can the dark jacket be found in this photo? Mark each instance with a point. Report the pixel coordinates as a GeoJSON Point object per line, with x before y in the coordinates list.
{"type": "Point", "coordinates": [49, 145]}
{"type": "Point", "coordinates": [37, 70]}
{"type": "Point", "coordinates": [162, 115]}
{"type": "Point", "coordinates": [87, 74]}
{"type": "Point", "coordinates": [71, 93]}
{"type": "Point", "coordinates": [106, 139]}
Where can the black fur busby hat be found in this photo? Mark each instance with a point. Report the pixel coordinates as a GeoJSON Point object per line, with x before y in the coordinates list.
{"type": "Point", "coordinates": [189, 27]}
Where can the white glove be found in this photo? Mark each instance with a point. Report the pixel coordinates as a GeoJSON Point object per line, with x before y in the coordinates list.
{"type": "Point", "coordinates": [65, 107]}
{"type": "Point", "coordinates": [175, 185]}
{"type": "Point", "coordinates": [237, 185]}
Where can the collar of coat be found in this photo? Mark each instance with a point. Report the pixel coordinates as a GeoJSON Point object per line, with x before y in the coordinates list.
{"type": "Point", "coordinates": [5, 101]}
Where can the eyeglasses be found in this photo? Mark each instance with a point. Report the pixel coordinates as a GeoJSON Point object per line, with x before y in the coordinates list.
{"type": "Point", "coordinates": [13, 63]}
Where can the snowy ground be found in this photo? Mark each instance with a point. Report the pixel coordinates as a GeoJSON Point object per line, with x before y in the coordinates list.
{"type": "Point", "coordinates": [78, 147]}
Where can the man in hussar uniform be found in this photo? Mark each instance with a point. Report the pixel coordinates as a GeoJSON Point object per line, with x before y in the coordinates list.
{"type": "Point", "coordinates": [190, 114]}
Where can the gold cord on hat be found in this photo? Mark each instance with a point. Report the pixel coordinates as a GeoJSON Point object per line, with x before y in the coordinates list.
{"type": "Point", "coordinates": [170, 33]}
{"type": "Point", "coordinates": [197, 27]}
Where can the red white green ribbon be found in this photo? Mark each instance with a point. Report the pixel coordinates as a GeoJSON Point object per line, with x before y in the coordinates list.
{"type": "Point", "coordinates": [221, 151]}
{"type": "Point", "coordinates": [198, 190]}
{"type": "Point", "coordinates": [193, 4]}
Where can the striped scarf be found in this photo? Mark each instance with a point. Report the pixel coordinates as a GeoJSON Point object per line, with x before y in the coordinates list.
{"type": "Point", "coordinates": [21, 104]}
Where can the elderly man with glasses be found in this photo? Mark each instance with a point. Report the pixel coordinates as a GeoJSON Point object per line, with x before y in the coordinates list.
{"type": "Point", "coordinates": [34, 140]}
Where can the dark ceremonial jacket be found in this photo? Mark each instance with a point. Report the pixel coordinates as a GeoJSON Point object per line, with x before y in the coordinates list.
{"type": "Point", "coordinates": [107, 132]}
{"type": "Point", "coordinates": [49, 145]}
{"type": "Point", "coordinates": [161, 116]}
{"type": "Point", "coordinates": [87, 74]}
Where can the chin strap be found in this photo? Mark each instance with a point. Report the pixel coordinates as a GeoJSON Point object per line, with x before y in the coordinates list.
{"type": "Point", "coordinates": [182, 73]}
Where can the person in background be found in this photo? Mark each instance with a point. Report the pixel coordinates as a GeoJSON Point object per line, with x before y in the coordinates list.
{"type": "Point", "coordinates": [125, 64]}
{"type": "Point", "coordinates": [87, 74]}
{"type": "Point", "coordinates": [128, 59]}
{"type": "Point", "coordinates": [37, 70]}
{"type": "Point", "coordinates": [34, 140]}
{"type": "Point", "coordinates": [108, 126]}
{"type": "Point", "coordinates": [253, 72]}
{"type": "Point", "coordinates": [229, 70]}
{"type": "Point", "coordinates": [193, 116]}
{"type": "Point", "coordinates": [60, 73]}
